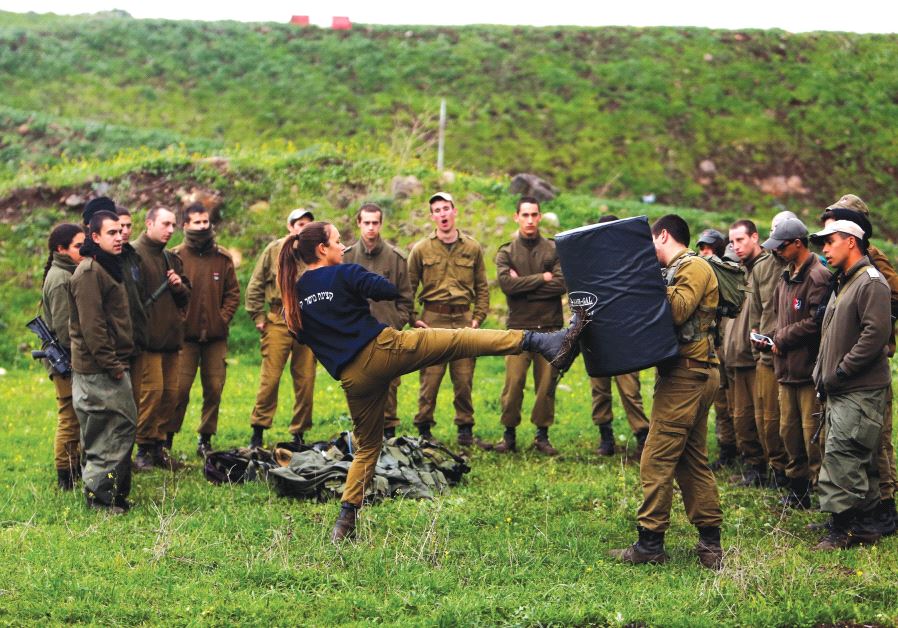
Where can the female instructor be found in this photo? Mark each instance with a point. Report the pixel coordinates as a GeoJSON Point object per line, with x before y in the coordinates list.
{"type": "Point", "coordinates": [327, 309]}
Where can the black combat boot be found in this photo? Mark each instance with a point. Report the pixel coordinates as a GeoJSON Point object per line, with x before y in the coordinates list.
{"type": "Point", "coordinates": [727, 457]}
{"type": "Point", "coordinates": [641, 436]}
{"type": "Point", "coordinates": [848, 529]}
{"type": "Point", "coordinates": [169, 440]}
{"type": "Point", "coordinates": [560, 347]}
{"type": "Point", "coordinates": [164, 460]}
{"type": "Point", "coordinates": [648, 549]}
{"type": "Point", "coordinates": [424, 432]}
{"type": "Point", "coordinates": [344, 528]}
{"type": "Point", "coordinates": [799, 495]}
{"type": "Point", "coordinates": [606, 440]}
{"type": "Point", "coordinates": [754, 476]}
{"type": "Point", "coordinates": [256, 439]}
{"type": "Point", "coordinates": [778, 479]}
{"type": "Point", "coordinates": [886, 518]}
{"type": "Point", "coordinates": [389, 432]}
{"type": "Point", "coordinates": [65, 479]}
{"type": "Point", "coordinates": [710, 553]}
{"type": "Point", "coordinates": [508, 444]}
{"type": "Point", "coordinates": [144, 460]}
{"type": "Point", "coordinates": [204, 445]}
{"type": "Point", "coordinates": [298, 439]}
{"type": "Point", "coordinates": [542, 444]}
{"type": "Point", "coordinates": [465, 436]}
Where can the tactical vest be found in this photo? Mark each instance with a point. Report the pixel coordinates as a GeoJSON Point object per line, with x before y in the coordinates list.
{"type": "Point", "coordinates": [703, 322]}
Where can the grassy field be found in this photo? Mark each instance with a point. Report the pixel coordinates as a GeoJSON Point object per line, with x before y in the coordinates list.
{"type": "Point", "coordinates": [523, 541]}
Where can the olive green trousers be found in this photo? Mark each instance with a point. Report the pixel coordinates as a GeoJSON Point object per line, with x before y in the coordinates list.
{"type": "Point", "coordinates": [366, 382]}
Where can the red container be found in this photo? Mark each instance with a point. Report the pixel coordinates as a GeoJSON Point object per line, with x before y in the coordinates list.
{"type": "Point", "coordinates": [341, 24]}
{"type": "Point", "coordinates": [300, 20]}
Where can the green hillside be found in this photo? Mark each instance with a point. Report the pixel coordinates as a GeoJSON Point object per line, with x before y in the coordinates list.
{"type": "Point", "coordinates": [698, 117]}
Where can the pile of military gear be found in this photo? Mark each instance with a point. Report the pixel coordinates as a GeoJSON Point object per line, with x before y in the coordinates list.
{"type": "Point", "coordinates": [408, 467]}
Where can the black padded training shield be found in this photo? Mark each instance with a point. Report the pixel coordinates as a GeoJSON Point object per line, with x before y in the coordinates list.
{"type": "Point", "coordinates": [611, 269]}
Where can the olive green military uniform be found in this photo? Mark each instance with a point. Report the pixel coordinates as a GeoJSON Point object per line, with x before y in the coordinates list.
{"type": "Point", "coordinates": [885, 457]}
{"type": "Point", "coordinates": [533, 304]}
{"type": "Point", "coordinates": [56, 304]}
{"type": "Point", "coordinates": [452, 277]}
{"type": "Point", "coordinates": [277, 347]}
{"type": "Point", "coordinates": [214, 298]}
{"type": "Point", "coordinates": [723, 400]}
{"type": "Point", "coordinates": [676, 447]}
{"type": "Point", "coordinates": [740, 365]}
{"type": "Point", "coordinates": [766, 273]}
{"type": "Point", "coordinates": [136, 298]}
{"type": "Point", "coordinates": [389, 262]}
{"type": "Point", "coordinates": [853, 369]}
{"type": "Point", "coordinates": [393, 353]}
{"type": "Point", "coordinates": [102, 345]}
{"type": "Point", "coordinates": [158, 362]}
{"type": "Point", "coordinates": [630, 397]}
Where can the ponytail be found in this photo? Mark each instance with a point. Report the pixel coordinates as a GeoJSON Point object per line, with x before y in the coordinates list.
{"type": "Point", "coordinates": [61, 236]}
{"type": "Point", "coordinates": [287, 272]}
{"type": "Point", "coordinates": [303, 246]}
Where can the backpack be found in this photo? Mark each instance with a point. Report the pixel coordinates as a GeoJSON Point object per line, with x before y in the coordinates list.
{"type": "Point", "coordinates": [732, 284]}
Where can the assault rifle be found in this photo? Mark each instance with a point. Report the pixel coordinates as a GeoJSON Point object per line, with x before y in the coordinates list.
{"type": "Point", "coordinates": [55, 353]}
{"type": "Point", "coordinates": [162, 287]}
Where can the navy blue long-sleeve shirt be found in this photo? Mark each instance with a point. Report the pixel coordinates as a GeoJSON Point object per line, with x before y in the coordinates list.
{"type": "Point", "coordinates": [336, 317]}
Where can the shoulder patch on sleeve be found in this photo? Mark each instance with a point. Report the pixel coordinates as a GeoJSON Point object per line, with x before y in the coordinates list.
{"type": "Point", "coordinates": [874, 274]}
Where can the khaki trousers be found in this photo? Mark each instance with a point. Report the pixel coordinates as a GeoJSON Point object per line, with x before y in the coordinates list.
{"type": "Point", "coordinates": [798, 407]}
{"type": "Point", "coordinates": [366, 381]}
{"type": "Point", "coordinates": [158, 395]}
{"type": "Point", "coordinates": [630, 397]}
{"type": "Point", "coordinates": [516, 367]}
{"type": "Point", "coordinates": [885, 458]}
{"type": "Point", "coordinates": [66, 448]}
{"type": "Point", "coordinates": [723, 416]}
{"type": "Point", "coordinates": [767, 416]}
{"type": "Point", "coordinates": [676, 449]}
{"type": "Point", "coordinates": [209, 357]}
{"type": "Point", "coordinates": [277, 347]}
{"type": "Point", "coordinates": [108, 420]}
{"type": "Point", "coordinates": [461, 371]}
{"type": "Point", "coordinates": [849, 477]}
{"type": "Point", "coordinates": [391, 417]}
{"type": "Point", "coordinates": [744, 420]}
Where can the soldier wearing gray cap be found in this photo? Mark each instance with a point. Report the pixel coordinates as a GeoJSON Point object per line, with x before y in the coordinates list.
{"type": "Point", "coordinates": [278, 345]}
{"type": "Point", "coordinates": [803, 287]}
{"type": "Point", "coordinates": [852, 373]}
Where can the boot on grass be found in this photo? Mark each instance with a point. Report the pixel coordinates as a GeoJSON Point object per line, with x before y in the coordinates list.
{"type": "Point", "coordinates": [606, 440]}
{"type": "Point", "coordinates": [710, 553]}
{"type": "Point", "coordinates": [144, 460]}
{"type": "Point", "coordinates": [344, 527]}
{"type": "Point", "coordinates": [649, 549]}
{"type": "Point", "coordinates": [541, 442]}
{"type": "Point", "coordinates": [508, 444]}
